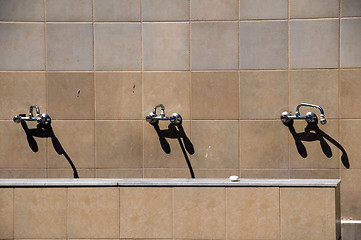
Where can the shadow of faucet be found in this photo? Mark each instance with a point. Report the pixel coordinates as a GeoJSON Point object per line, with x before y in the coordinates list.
{"type": "Point", "coordinates": [314, 133]}
{"type": "Point", "coordinates": [175, 131]}
{"type": "Point", "coordinates": [46, 131]}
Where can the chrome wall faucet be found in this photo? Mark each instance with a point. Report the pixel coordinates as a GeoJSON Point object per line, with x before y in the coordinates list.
{"type": "Point", "coordinates": [310, 117]}
{"type": "Point", "coordinates": [40, 118]}
{"type": "Point", "coordinates": [153, 117]}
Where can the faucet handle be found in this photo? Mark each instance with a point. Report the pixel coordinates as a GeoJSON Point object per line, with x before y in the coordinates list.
{"type": "Point", "coordinates": [285, 117]}
{"type": "Point", "coordinates": [311, 117]}
{"type": "Point", "coordinates": [175, 118]}
{"type": "Point", "coordinates": [44, 119]}
{"type": "Point", "coordinates": [151, 117]}
{"type": "Point", "coordinates": [17, 118]}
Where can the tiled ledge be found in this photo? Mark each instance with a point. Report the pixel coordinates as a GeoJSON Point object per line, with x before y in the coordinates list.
{"type": "Point", "coordinates": [157, 182]}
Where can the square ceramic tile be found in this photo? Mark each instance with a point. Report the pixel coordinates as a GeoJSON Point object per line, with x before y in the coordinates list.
{"type": "Point", "coordinates": [263, 9]}
{"type": "Point", "coordinates": [314, 43]}
{"type": "Point", "coordinates": [214, 45]}
{"type": "Point", "coordinates": [263, 45]}
{"type": "Point", "coordinates": [117, 46]}
{"type": "Point", "coordinates": [314, 147]}
{"type": "Point", "coordinates": [199, 213]}
{"type": "Point", "coordinates": [72, 142]}
{"type": "Point", "coordinates": [214, 9]}
{"type": "Point", "coordinates": [351, 8]}
{"type": "Point", "coordinates": [20, 90]}
{"type": "Point", "coordinates": [71, 95]}
{"type": "Point", "coordinates": [318, 87]}
{"type": "Point", "coordinates": [23, 173]}
{"type": "Point", "coordinates": [267, 173]}
{"type": "Point", "coordinates": [263, 95]}
{"type": "Point", "coordinates": [121, 173]}
{"type": "Point", "coordinates": [263, 145]}
{"type": "Point", "coordinates": [118, 95]}
{"type": "Point", "coordinates": [23, 10]}
{"type": "Point", "coordinates": [167, 173]}
{"type": "Point", "coordinates": [315, 174]}
{"type": "Point", "coordinates": [311, 210]}
{"type": "Point", "coordinates": [93, 213]}
{"type": "Point", "coordinates": [166, 152]}
{"type": "Point", "coordinates": [350, 141]}
{"type": "Point", "coordinates": [253, 213]}
{"type": "Point", "coordinates": [69, 10]}
{"type": "Point", "coordinates": [166, 46]}
{"type": "Point", "coordinates": [40, 213]}
{"type": "Point", "coordinates": [6, 213]}
{"type": "Point", "coordinates": [177, 10]}
{"type": "Point", "coordinates": [137, 218]}
{"type": "Point", "coordinates": [119, 144]}
{"type": "Point", "coordinates": [314, 9]}
{"type": "Point", "coordinates": [350, 97]}
{"type": "Point", "coordinates": [172, 89]}
{"type": "Point", "coordinates": [215, 145]}
{"type": "Point", "coordinates": [21, 150]}
{"type": "Point", "coordinates": [216, 173]}
{"type": "Point", "coordinates": [69, 46]}
{"type": "Point", "coordinates": [68, 172]}
{"type": "Point", "coordinates": [350, 194]}
{"type": "Point", "coordinates": [22, 46]}
{"type": "Point", "coordinates": [116, 10]}
{"type": "Point", "coordinates": [350, 39]}
{"type": "Point", "coordinates": [215, 95]}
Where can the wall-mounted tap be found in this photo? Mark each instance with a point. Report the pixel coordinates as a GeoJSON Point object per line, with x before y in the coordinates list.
{"type": "Point", "coordinates": [40, 118]}
{"type": "Point", "coordinates": [153, 117]}
{"type": "Point", "coordinates": [310, 117]}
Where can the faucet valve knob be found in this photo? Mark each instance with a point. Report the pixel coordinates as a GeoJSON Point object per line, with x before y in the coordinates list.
{"type": "Point", "coordinates": [44, 119]}
{"type": "Point", "coordinates": [285, 117]}
{"type": "Point", "coordinates": [311, 117]}
{"type": "Point", "coordinates": [17, 119]}
{"type": "Point", "coordinates": [151, 118]}
{"type": "Point", "coordinates": [175, 118]}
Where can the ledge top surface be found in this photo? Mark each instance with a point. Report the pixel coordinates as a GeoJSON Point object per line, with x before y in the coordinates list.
{"type": "Point", "coordinates": [170, 182]}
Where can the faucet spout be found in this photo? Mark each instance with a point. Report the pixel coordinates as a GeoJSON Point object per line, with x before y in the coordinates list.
{"type": "Point", "coordinates": [161, 106]}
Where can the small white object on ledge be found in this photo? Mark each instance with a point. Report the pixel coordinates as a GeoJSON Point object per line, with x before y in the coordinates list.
{"type": "Point", "coordinates": [234, 178]}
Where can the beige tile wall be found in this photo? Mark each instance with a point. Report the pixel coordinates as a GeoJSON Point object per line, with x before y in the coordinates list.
{"type": "Point", "coordinates": [229, 67]}
{"type": "Point", "coordinates": [237, 213]}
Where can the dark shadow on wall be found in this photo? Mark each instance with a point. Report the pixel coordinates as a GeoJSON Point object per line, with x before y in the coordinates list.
{"type": "Point", "coordinates": [46, 131]}
{"type": "Point", "coordinates": [175, 131]}
{"type": "Point", "coordinates": [314, 133]}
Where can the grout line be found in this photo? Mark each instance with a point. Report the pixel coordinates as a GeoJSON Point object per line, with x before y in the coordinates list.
{"type": "Point", "coordinates": [142, 82]}
{"type": "Point", "coordinates": [93, 26]}
{"type": "Point", "coordinates": [67, 213]}
{"type": "Point", "coordinates": [14, 213]}
{"type": "Point", "coordinates": [173, 213]}
{"type": "Point", "coordinates": [119, 211]}
{"type": "Point", "coordinates": [289, 84]}
{"type": "Point", "coordinates": [141, 37]}
{"type": "Point", "coordinates": [46, 88]}
{"type": "Point", "coordinates": [339, 83]}
{"type": "Point", "coordinates": [279, 214]}
{"type": "Point", "coordinates": [94, 95]}
{"type": "Point", "coordinates": [225, 212]}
